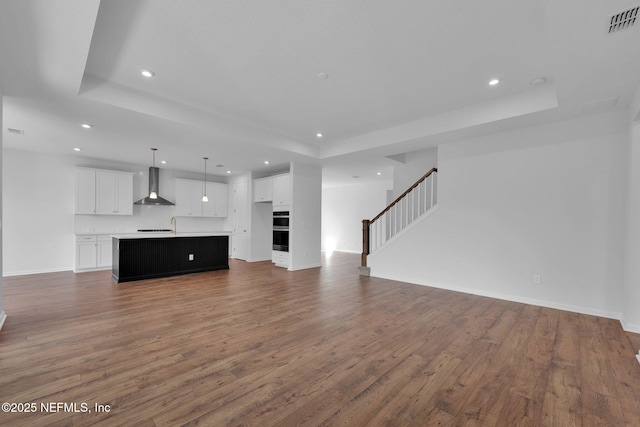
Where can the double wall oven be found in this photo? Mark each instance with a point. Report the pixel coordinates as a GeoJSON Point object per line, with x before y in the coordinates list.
{"type": "Point", "coordinates": [281, 231]}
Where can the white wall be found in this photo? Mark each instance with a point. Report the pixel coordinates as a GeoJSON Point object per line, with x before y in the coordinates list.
{"type": "Point", "coordinates": [416, 164]}
{"type": "Point", "coordinates": [38, 193]}
{"type": "Point", "coordinates": [344, 208]}
{"type": "Point", "coordinates": [631, 294]}
{"type": "Point", "coordinates": [3, 315]}
{"type": "Point", "coordinates": [547, 200]}
{"type": "Point", "coordinates": [40, 226]}
{"type": "Point", "coordinates": [305, 216]}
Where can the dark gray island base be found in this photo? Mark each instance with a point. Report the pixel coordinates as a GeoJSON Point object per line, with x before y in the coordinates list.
{"type": "Point", "coordinates": [137, 258]}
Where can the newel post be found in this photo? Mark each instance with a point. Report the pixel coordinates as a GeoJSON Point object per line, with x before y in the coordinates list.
{"type": "Point", "coordinates": [365, 241]}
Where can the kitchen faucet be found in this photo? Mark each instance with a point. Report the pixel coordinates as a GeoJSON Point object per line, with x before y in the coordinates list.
{"type": "Point", "coordinates": [174, 222]}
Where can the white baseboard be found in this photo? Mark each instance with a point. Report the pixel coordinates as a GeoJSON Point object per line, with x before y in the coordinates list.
{"type": "Point", "coordinates": [86, 270]}
{"type": "Point", "coordinates": [630, 327]}
{"type": "Point", "coordinates": [25, 272]}
{"type": "Point", "coordinates": [3, 317]}
{"type": "Point", "coordinates": [513, 298]}
{"type": "Point", "coordinates": [349, 251]}
{"type": "Point", "coordinates": [304, 267]}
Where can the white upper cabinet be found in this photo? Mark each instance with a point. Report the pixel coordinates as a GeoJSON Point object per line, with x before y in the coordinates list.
{"type": "Point", "coordinates": [263, 189]}
{"type": "Point", "coordinates": [281, 190]}
{"type": "Point", "coordinates": [114, 193]}
{"type": "Point", "coordinates": [218, 204]}
{"type": "Point", "coordinates": [102, 192]}
{"type": "Point", "coordinates": [189, 199]}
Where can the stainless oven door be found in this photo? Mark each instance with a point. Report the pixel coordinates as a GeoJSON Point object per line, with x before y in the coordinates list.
{"type": "Point", "coordinates": [281, 240]}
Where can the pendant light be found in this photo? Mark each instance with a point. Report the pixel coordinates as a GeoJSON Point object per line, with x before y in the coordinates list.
{"type": "Point", "coordinates": [152, 193]}
{"type": "Point", "coordinates": [204, 182]}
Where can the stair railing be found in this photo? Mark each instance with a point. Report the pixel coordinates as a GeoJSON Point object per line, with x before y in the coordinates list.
{"type": "Point", "coordinates": [411, 204]}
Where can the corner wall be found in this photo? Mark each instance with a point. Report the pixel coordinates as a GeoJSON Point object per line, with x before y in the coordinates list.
{"type": "Point", "coordinates": [547, 200]}
{"type": "Point", "coordinates": [343, 209]}
{"type": "Point", "coordinates": [305, 216]}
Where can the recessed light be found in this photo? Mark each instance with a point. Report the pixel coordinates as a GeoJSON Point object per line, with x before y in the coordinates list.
{"type": "Point", "coordinates": [266, 162]}
{"type": "Point", "coordinates": [323, 75]}
{"type": "Point", "coordinates": [87, 125]}
{"type": "Point", "coordinates": [494, 82]}
{"type": "Point", "coordinates": [77, 149]}
{"type": "Point", "coordinates": [228, 171]}
{"type": "Point", "coordinates": [379, 173]}
{"type": "Point", "coordinates": [319, 134]}
{"type": "Point", "coordinates": [164, 162]}
{"type": "Point", "coordinates": [147, 73]}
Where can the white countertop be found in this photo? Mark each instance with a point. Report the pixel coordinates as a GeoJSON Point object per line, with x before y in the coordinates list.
{"type": "Point", "coordinates": [167, 235]}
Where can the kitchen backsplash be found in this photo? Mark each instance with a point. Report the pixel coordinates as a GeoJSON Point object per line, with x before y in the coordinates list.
{"type": "Point", "coordinates": [155, 217]}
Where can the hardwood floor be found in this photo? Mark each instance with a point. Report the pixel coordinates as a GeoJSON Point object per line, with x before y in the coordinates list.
{"type": "Point", "coordinates": [262, 346]}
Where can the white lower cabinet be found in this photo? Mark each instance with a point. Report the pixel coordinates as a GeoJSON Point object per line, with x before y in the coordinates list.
{"type": "Point", "coordinates": [105, 253]}
{"type": "Point", "coordinates": [280, 259]}
{"type": "Point", "coordinates": [93, 252]}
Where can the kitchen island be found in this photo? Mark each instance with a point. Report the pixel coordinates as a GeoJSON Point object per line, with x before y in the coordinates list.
{"type": "Point", "coordinates": [140, 256]}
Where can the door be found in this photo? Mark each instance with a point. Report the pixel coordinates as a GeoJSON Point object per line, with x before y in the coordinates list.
{"type": "Point", "coordinates": [240, 239]}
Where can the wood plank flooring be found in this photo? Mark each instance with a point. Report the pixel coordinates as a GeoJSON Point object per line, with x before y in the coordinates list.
{"type": "Point", "coordinates": [262, 346]}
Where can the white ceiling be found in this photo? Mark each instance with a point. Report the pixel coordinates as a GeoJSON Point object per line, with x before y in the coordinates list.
{"type": "Point", "coordinates": [237, 81]}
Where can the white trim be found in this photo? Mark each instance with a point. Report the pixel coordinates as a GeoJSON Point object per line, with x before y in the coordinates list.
{"type": "Point", "coordinates": [513, 298]}
{"type": "Point", "coordinates": [25, 272]}
{"type": "Point", "coordinates": [349, 251]}
{"type": "Point", "coordinates": [304, 267]}
{"type": "Point", "coordinates": [3, 317]}
{"type": "Point", "coordinates": [86, 270]}
{"type": "Point", "coordinates": [630, 327]}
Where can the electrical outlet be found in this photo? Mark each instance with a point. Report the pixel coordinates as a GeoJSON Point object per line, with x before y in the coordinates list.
{"type": "Point", "coordinates": [190, 257]}
{"type": "Point", "coordinates": [537, 279]}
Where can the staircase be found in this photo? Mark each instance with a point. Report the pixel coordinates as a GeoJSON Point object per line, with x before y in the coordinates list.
{"type": "Point", "coordinates": [402, 212]}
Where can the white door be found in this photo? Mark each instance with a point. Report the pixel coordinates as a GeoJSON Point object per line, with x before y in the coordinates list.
{"type": "Point", "coordinates": [106, 193]}
{"type": "Point", "coordinates": [124, 200]}
{"type": "Point", "coordinates": [240, 239]}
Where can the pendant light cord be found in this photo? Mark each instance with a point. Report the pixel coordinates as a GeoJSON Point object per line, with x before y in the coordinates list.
{"type": "Point", "coordinates": [204, 179]}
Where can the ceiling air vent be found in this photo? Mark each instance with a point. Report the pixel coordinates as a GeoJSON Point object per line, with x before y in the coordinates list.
{"type": "Point", "coordinates": [16, 131]}
{"type": "Point", "coordinates": [623, 20]}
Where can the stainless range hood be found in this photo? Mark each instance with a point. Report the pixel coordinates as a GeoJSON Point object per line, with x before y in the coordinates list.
{"type": "Point", "coordinates": [154, 185]}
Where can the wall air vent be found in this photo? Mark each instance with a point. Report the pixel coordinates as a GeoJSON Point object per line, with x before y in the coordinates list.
{"type": "Point", "coordinates": [16, 131]}
{"type": "Point", "coordinates": [623, 20]}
